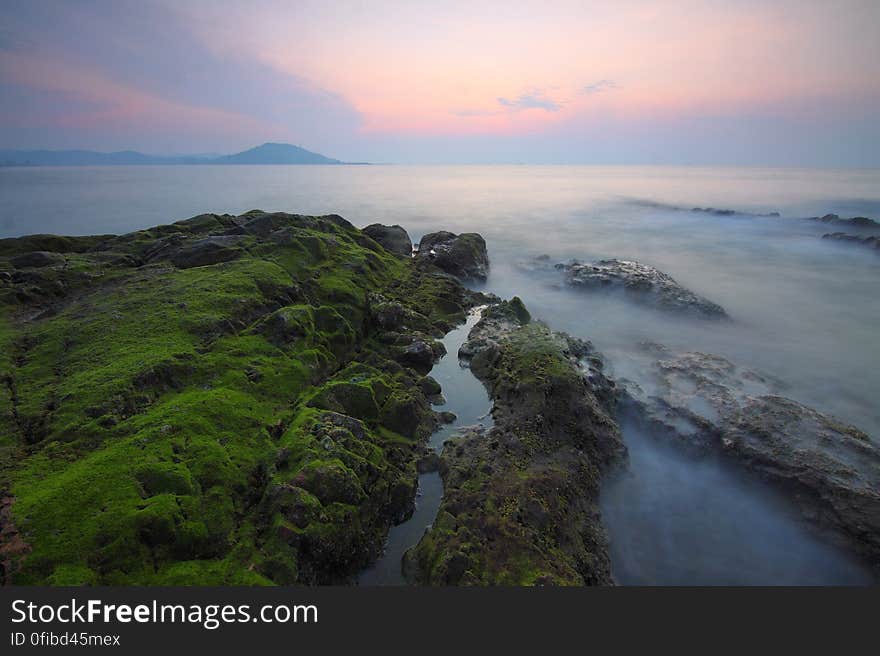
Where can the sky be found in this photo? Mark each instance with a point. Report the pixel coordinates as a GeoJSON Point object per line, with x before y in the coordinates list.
{"type": "Point", "coordinates": [739, 82]}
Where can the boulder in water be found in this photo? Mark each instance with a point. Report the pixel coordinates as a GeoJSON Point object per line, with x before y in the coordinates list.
{"type": "Point", "coordinates": [707, 402]}
{"type": "Point", "coordinates": [855, 221]}
{"type": "Point", "coordinates": [464, 256]}
{"type": "Point", "coordinates": [644, 282]}
{"type": "Point", "coordinates": [870, 242]}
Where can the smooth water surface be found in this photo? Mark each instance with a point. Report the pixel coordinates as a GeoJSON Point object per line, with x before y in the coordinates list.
{"type": "Point", "coordinates": [467, 398]}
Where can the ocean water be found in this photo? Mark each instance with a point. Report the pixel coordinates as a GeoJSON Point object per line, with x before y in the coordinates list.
{"type": "Point", "coordinates": [804, 310]}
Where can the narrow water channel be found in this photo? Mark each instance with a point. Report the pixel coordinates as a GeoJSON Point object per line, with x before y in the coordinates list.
{"type": "Point", "coordinates": [467, 398]}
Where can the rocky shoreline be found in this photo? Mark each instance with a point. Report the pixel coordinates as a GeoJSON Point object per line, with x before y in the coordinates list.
{"type": "Point", "coordinates": [247, 400]}
{"type": "Point", "coordinates": [227, 400]}
{"type": "Point", "coordinates": [520, 501]}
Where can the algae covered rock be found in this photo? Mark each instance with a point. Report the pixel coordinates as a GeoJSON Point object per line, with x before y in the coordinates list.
{"type": "Point", "coordinates": [393, 239]}
{"type": "Point", "coordinates": [520, 501]}
{"type": "Point", "coordinates": [210, 250]}
{"type": "Point", "coordinates": [420, 355]}
{"type": "Point", "coordinates": [210, 401]}
{"type": "Point", "coordinates": [36, 259]}
{"type": "Point", "coordinates": [463, 256]}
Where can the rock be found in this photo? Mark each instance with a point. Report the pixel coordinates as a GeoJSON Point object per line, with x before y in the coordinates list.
{"type": "Point", "coordinates": [36, 259]}
{"type": "Point", "coordinates": [210, 250]}
{"type": "Point", "coordinates": [295, 504]}
{"type": "Point", "coordinates": [539, 466]}
{"type": "Point", "coordinates": [159, 248]}
{"type": "Point", "coordinates": [715, 211]}
{"type": "Point", "coordinates": [260, 225]}
{"type": "Point", "coordinates": [392, 315]}
{"type": "Point", "coordinates": [287, 325]}
{"type": "Point", "coordinates": [870, 242]}
{"type": "Point", "coordinates": [330, 482]}
{"type": "Point", "coordinates": [725, 212]}
{"type": "Point", "coordinates": [430, 387]}
{"type": "Point", "coordinates": [483, 342]}
{"type": "Point", "coordinates": [430, 462]}
{"type": "Point", "coordinates": [833, 469]}
{"type": "Point", "coordinates": [463, 256]}
{"type": "Point", "coordinates": [856, 221]}
{"type": "Point", "coordinates": [420, 355]}
{"type": "Point", "coordinates": [354, 399]}
{"type": "Point", "coordinates": [643, 282]}
{"type": "Point", "coordinates": [446, 417]}
{"type": "Point", "coordinates": [408, 414]}
{"type": "Point", "coordinates": [393, 239]}
{"type": "Point", "coordinates": [292, 349]}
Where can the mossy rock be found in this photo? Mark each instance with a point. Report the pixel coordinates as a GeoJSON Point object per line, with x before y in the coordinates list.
{"type": "Point", "coordinates": [355, 399]}
{"type": "Point", "coordinates": [162, 477]}
{"type": "Point", "coordinates": [159, 385]}
{"type": "Point", "coordinates": [407, 415]}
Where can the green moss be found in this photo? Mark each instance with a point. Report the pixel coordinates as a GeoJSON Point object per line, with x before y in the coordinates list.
{"type": "Point", "coordinates": [52, 243]}
{"type": "Point", "coordinates": [519, 503]}
{"type": "Point", "coordinates": [150, 413]}
{"type": "Point", "coordinates": [519, 309]}
{"type": "Point", "coordinates": [161, 477]}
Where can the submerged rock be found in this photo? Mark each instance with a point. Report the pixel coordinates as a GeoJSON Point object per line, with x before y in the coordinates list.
{"type": "Point", "coordinates": [643, 282]}
{"type": "Point", "coordinates": [832, 468]}
{"type": "Point", "coordinates": [520, 500]}
{"type": "Point", "coordinates": [464, 256]}
{"type": "Point", "coordinates": [870, 242]}
{"type": "Point", "coordinates": [855, 221]}
{"type": "Point", "coordinates": [715, 211]}
{"type": "Point", "coordinates": [393, 239]}
{"type": "Point", "coordinates": [725, 212]}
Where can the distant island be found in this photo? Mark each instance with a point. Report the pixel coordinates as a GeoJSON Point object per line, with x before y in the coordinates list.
{"type": "Point", "coordinates": [268, 153]}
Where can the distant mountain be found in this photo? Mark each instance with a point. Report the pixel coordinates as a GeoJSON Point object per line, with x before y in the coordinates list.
{"type": "Point", "coordinates": [268, 153]}
{"type": "Point", "coordinates": [276, 153]}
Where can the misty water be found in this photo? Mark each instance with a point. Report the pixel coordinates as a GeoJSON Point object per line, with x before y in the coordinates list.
{"type": "Point", "coordinates": [464, 395]}
{"type": "Point", "coordinates": [803, 309]}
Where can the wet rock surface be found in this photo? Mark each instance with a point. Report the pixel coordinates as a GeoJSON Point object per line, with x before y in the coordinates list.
{"type": "Point", "coordinates": [644, 283]}
{"type": "Point", "coordinates": [715, 211]}
{"type": "Point", "coordinates": [830, 468]}
{"type": "Point", "coordinates": [852, 222]}
{"type": "Point", "coordinates": [463, 256]}
{"type": "Point", "coordinates": [520, 499]}
{"type": "Point", "coordinates": [869, 242]}
{"type": "Point", "coordinates": [393, 239]}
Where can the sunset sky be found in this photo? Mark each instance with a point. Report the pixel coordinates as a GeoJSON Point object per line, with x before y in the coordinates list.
{"type": "Point", "coordinates": [788, 82]}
